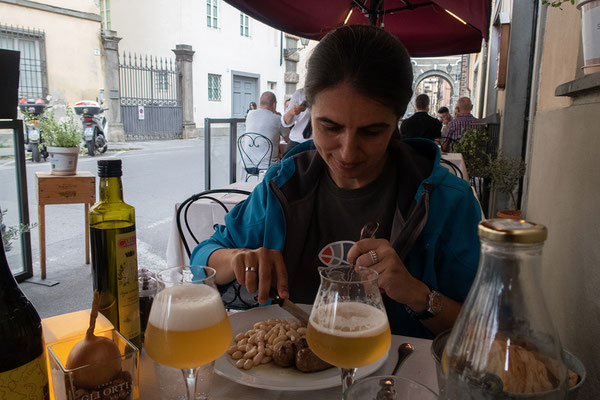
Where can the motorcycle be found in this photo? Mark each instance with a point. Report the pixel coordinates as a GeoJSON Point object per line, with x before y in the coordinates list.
{"type": "Point", "coordinates": [33, 110]}
{"type": "Point", "coordinates": [94, 125]}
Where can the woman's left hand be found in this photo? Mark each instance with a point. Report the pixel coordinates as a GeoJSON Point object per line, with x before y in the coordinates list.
{"type": "Point", "coordinates": [394, 278]}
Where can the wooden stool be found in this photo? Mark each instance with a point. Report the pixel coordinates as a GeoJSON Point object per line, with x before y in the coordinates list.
{"type": "Point", "coordinates": [71, 189]}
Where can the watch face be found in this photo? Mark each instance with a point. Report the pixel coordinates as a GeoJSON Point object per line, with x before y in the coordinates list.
{"type": "Point", "coordinates": [434, 303]}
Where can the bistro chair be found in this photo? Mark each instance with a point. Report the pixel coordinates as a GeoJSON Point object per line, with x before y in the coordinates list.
{"type": "Point", "coordinates": [235, 297]}
{"type": "Point", "coordinates": [452, 167]}
{"type": "Point", "coordinates": [256, 151]}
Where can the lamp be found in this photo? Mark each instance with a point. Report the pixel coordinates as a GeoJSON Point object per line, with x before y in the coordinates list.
{"type": "Point", "coordinates": [287, 52]}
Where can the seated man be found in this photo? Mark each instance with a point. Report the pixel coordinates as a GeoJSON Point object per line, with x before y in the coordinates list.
{"type": "Point", "coordinates": [265, 121]}
{"type": "Point", "coordinates": [445, 117]}
{"type": "Point", "coordinates": [461, 122]}
{"type": "Point", "coordinates": [421, 124]}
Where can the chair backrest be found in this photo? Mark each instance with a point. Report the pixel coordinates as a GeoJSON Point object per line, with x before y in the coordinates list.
{"type": "Point", "coordinates": [234, 296]}
{"type": "Point", "coordinates": [452, 167]}
{"type": "Point", "coordinates": [256, 151]}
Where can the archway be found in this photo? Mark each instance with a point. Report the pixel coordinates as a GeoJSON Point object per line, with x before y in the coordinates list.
{"type": "Point", "coordinates": [439, 86]}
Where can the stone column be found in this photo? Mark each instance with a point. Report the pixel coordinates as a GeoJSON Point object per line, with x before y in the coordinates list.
{"type": "Point", "coordinates": [110, 43]}
{"type": "Point", "coordinates": [184, 56]}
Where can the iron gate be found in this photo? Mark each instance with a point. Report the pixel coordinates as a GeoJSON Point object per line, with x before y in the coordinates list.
{"type": "Point", "coordinates": [150, 98]}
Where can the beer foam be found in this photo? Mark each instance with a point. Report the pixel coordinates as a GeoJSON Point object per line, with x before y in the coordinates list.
{"type": "Point", "coordinates": [352, 319]}
{"type": "Point", "coordinates": [186, 308]}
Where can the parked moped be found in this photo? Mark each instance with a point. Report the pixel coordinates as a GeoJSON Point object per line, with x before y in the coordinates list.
{"type": "Point", "coordinates": [33, 110]}
{"type": "Point", "coordinates": [94, 125]}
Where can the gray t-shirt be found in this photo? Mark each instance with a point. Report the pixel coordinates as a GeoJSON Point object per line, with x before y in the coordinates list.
{"type": "Point", "coordinates": [266, 123]}
{"type": "Point", "coordinates": [338, 218]}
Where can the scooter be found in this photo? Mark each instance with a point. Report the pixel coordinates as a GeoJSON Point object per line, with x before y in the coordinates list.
{"type": "Point", "coordinates": [33, 109]}
{"type": "Point", "coordinates": [94, 125]}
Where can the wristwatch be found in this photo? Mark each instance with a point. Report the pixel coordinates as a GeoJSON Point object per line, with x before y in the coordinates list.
{"type": "Point", "coordinates": [434, 307]}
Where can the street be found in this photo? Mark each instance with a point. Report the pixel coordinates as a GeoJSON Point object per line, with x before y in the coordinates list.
{"type": "Point", "coordinates": [156, 175]}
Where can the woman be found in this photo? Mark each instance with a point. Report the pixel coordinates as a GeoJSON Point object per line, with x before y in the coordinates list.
{"type": "Point", "coordinates": [310, 208]}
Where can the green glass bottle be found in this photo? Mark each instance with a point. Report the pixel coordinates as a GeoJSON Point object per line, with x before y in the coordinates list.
{"type": "Point", "coordinates": [114, 253]}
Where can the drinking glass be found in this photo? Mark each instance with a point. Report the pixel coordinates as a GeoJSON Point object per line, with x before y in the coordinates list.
{"type": "Point", "coordinates": [188, 326]}
{"type": "Point", "coordinates": [348, 326]}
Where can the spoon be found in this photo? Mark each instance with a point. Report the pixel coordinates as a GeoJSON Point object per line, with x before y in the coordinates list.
{"type": "Point", "coordinates": [404, 351]}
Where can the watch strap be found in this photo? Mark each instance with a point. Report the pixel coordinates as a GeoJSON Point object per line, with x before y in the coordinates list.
{"type": "Point", "coordinates": [429, 311]}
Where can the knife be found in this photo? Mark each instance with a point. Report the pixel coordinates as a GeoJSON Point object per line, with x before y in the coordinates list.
{"type": "Point", "coordinates": [290, 307]}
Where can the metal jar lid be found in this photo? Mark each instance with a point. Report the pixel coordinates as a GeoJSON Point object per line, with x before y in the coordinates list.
{"type": "Point", "coordinates": [512, 231]}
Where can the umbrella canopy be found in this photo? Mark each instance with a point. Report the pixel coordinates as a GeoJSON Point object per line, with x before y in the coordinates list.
{"type": "Point", "coordinates": [428, 28]}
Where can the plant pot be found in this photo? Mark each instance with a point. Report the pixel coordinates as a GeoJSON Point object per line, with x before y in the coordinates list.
{"type": "Point", "coordinates": [510, 214]}
{"type": "Point", "coordinates": [63, 160]}
{"type": "Point", "coordinates": [590, 34]}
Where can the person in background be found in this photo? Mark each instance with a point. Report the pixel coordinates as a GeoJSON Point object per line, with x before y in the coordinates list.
{"type": "Point", "coordinates": [463, 121]}
{"type": "Point", "coordinates": [297, 118]}
{"type": "Point", "coordinates": [421, 124]}
{"type": "Point", "coordinates": [310, 208]}
{"type": "Point", "coordinates": [266, 122]}
{"type": "Point", "coordinates": [251, 106]}
{"type": "Point", "coordinates": [445, 117]}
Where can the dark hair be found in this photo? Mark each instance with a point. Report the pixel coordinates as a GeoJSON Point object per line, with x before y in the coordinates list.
{"type": "Point", "coordinates": [443, 110]}
{"type": "Point", "coordinates": [252, 104]}
{"type": "Point", "coordinates": [369, 59]}
{"type": "Point", "coordinates": [421, 102]}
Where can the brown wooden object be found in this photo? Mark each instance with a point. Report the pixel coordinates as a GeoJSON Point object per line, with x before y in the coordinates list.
{"type": "Point", "coordinates": [55, 189]}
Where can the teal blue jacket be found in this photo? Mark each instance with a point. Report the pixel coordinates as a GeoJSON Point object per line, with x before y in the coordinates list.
{"type": "Point", "coordinates": [437, 241]}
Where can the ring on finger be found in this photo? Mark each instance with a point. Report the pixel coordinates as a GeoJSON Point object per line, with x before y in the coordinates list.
{"type": "Point", "coordinates": [250, 269]}
{"type": "Point", "coordinates": [374, 258]}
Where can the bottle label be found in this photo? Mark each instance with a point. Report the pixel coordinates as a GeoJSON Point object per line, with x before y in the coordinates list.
{"type": "Point", "coordinates": [29, 381]}
{"type": "Point", "coordinates": [127, 285]}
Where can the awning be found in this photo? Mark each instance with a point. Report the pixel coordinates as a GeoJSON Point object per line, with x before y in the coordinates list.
{"type": "Point", "coordinates": [428, 28]}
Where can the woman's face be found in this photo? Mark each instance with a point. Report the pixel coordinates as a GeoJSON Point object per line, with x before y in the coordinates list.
{"type": "Point", "coordinates": [351, 133]}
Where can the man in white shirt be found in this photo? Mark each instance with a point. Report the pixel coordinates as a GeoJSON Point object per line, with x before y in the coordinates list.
{"type": "Point", "coordinates": [266, 122]}
{"type": "Point", "coordinates": [297, 116]}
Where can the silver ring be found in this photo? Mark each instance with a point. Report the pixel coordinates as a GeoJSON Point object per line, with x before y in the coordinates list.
{"type": "Point", "coordinates": [251, 269]}
{"type": "Point", "coordinates": [374, 257]}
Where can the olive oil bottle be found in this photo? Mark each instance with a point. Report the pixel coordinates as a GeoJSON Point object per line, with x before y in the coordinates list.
{"type": "Point", "coordinates": [114, 253]}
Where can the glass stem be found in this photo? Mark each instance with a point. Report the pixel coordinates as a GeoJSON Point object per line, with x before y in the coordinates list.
{"type": "Point", "coordinates": [347, 378]}
{"type": "Point", "coordinates": [189, 375]}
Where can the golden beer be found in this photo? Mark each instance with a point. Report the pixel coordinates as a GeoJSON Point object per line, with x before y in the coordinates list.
{"type": "Point", "coordinates": [350, 335]}
{"type": "Point", "coordinates": [188, 326]}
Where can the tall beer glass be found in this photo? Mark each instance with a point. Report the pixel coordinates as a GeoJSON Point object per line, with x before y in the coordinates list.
{"type": "Point", "coordinates": [188, 326]}
{"type": "Point", "coordinates": [348, 326]}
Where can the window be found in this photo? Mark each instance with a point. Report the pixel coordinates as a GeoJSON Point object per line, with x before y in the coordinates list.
{"type": "Point", "coordinates": [31, 44]}
{"type": "Point", "coordinates": [105, 13]}
{"type": "Point", "coordinates": [244, 24]}
{"type": "Point", "coordinates": [212, 13]}
{"type": "Point", "coordinates": [272, 86]}
{"type": "Point", "coordinates": [162, 80]}
{"type": "Point", "coordinates": [214, 87]}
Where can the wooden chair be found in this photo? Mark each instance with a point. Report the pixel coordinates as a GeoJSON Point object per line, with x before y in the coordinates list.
{"type": "Point", "coordinates": [235, 297]}
{"type": "Point", "coordinates": [256, 151]}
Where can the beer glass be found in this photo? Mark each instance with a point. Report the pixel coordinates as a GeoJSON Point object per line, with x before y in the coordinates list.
{"type": "Point", "coordinates": [348, 325]}
{"type": "Point", "coordinates": [188, 326]}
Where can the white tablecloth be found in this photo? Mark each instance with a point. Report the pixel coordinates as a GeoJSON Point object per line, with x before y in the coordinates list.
{"type": "Point", "coordinates": [202, 216]}
{"type": "Point", "coordinates": [456, 159]}
{"type": "Point", "coordinates": [419, 367]}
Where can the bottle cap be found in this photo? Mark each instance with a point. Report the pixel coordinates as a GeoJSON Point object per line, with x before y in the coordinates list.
{"type": "Point", "coordinates": [512, 231]}
{"type": "Point", "coordinates": [109, 168]}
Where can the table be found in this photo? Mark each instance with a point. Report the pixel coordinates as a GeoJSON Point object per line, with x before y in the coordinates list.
{"type": "Point", "coordinates": [457, 159]}
{"type": "Point", "coordinates": [69, 189]}
{"type": "Point", "coordinates": [203, 215]}
{"type": "Point", "coordinates": [419, 367]}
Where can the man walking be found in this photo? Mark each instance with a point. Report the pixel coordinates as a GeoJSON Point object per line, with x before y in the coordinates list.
{"type": "Point", "coordinates": [463, 121]}
{"type": "Point", "coordinates": [421, 124]}
{"type": "Point", "coordinates": [265, 121]}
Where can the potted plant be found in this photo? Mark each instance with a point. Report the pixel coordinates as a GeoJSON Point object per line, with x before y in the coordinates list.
{"type": "Point", "coordinates": [472, 145]}
{"type": "Point", "coordinates": [505, 174]}
{"type": "Point", "coordinates": [62, 138]}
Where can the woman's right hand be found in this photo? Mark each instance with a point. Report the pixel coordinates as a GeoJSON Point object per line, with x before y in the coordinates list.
{"type": "Point", "coordinates": [259, 269]}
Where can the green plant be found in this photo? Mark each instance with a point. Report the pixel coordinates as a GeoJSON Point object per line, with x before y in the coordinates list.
{"type": "Point", "coordinates": [12, 232]}
{"type": "Point", "coordinates": [60, 133]}
{"type": "Point", "coordinates": [472, 145]}
{"type": "Point", "coordinates": [505, 172]}
{"type": "Point", "coordinates": [556, 3]}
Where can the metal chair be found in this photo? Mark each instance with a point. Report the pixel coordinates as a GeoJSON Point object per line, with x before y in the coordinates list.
{"type": "Point", "coordinates": [452, 167]}
{"type": "Point", "coordinates": [235, 297]}
{"type": "Point", "coordinates": [254, 150]}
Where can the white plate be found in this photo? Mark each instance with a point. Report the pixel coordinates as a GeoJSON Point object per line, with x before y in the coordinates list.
{"type": "Point", "coordinates": [270, 376]}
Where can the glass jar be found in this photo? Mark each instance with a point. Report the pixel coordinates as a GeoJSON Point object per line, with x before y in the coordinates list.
{"type": "Point", "coordinates": [503, 344]}
{"type": "Point", "coordinates": [147, 287]}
